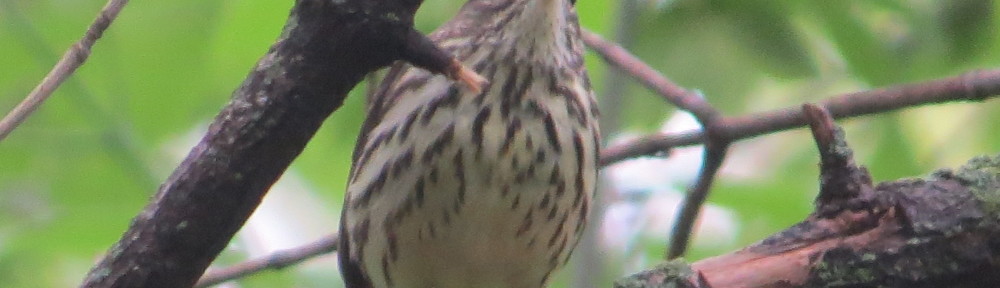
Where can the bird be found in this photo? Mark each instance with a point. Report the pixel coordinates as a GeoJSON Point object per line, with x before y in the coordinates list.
{"type": "Point", "coordinates": [453, 187]}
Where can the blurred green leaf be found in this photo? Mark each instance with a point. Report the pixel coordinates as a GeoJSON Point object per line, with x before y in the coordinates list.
{"type": "Point", "coordinates": [867, 53]}
{"type": "Point", "coordinates": [767, 32]}
{"type": "Point", "coordinates": [893, 156]}
{"type": "Point", "coordinates": [968, 26]}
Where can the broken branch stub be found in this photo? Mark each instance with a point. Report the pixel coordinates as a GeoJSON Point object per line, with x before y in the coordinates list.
{"type": "Point", "coordinates": [937, 231]}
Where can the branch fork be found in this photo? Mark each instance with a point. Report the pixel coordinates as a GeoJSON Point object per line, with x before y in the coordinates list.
{"type": "Point", "coordinates": [927, 231]}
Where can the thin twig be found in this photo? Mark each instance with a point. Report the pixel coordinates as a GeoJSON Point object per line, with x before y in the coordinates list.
{"type": "Point", "coordinates": [73, 59]}
{"type": "Point", "coordinates": [277, 260]}
{"type": "Point", "coordinates": [707, 116]}
{"type": "Point", "coordinates": [719, 131]}
{"type": "Point", "coordinates": [712, 158]}
{"type": "Point", "coordinates": [649, 145]}
{"type": "Point", "coordinates": [652, 79]}
{"type": "Point", "coordinates": [974, 86]}
{"type": "Point", "coordinates": [124, 145]}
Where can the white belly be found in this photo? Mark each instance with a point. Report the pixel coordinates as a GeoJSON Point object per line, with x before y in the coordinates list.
{"type": "Point", "coordinates": [475, 201]}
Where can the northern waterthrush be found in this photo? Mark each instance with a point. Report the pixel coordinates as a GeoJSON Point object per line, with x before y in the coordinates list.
{"type": "Point", "coordinates": [452, 188]}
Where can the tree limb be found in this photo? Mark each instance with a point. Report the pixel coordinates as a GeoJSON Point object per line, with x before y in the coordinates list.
{"type": "Point", "coordinates": [324, 51]}
{"type": "Point", "coordinates": [277, 260]}
{"type": "Point", "coordinates": [71, 60]}
{"type": "Point", "coordinates": [934, 232]}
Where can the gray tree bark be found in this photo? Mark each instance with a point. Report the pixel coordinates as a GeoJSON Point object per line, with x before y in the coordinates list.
{"type": "Point", "coordinates": [939, 231]}
{"type": "Point", "coordinates": [324, 51]}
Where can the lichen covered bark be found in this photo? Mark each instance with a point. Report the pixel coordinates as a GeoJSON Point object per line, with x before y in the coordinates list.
{"type": "Point", "coordinates": [938, 231]}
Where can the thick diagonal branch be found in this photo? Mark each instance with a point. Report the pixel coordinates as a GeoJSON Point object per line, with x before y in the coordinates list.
{"type": "Point", "coordinates": [325, 50]}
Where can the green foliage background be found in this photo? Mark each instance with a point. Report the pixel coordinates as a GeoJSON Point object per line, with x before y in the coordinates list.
{"type": "Point", "coordinates": [76, 173]}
